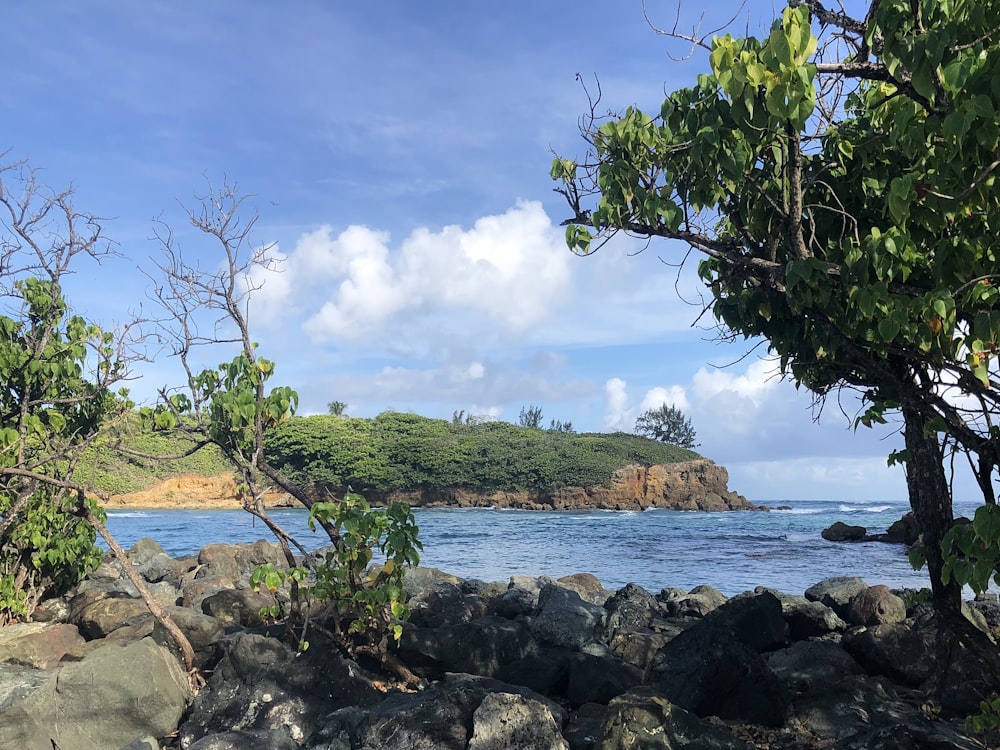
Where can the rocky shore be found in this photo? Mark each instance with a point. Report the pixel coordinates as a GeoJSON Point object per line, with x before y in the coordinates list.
{"type": "Point", "coordinates": [523, 664]}
{"type": "Point", "coordinates": [689, 485]}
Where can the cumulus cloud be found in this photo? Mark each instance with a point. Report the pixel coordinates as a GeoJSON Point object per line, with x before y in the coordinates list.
{"type": "Point", "coordinates": [620, 413]}
{"type": "Point", "coordinates": [511, 269]}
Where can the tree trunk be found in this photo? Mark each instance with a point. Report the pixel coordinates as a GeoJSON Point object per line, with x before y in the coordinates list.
{"type": "Point", "coordinates": [930, 500]}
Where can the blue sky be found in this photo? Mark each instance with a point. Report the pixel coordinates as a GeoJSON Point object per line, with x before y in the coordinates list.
{"type": "Point", "coordinates": [399, 155]}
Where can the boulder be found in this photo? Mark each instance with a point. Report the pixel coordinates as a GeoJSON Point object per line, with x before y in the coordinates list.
{"type": "Point", "coordinates": [587, 585]}
{"type": "Point", "coordinates": [480, 647]}
{"type": "Point", "coordinates": [837, 593]}
{"type": "Point", "coordinates": [876, 605]}
{"type": "Point", "coordinates": [898, 651]}
{"type": "Point", "coordinates": [505, 721]}
{"type": "Point", "coordinates": [238, 606]}
{"type": "Point", "coordinates": [105, 614]}
{"type": "Point", "coordinates": [260, 686]}
{"type": "Point", "coordinates": [417, 579]}
{"type": "Point", "coordinates": [697, 602]}
{"type": "Point", "coordinates": [598, 679]}
{"type": "Point", "coordinates": [808, 619]}
{"type": "Point", "coordinates": [832, 696]}
{"type": "Point", "coordinates": [645, 720]}
{"type": "Point", "coordinates": [629, 609]}
{"type": "Point", "coordinates": [842, 532]}
{"type": "Point", "coordinates": [715, 667]}
{"type": "Point", "coordinates": [109, 699]}
{"type": "Point", "coordinates": [444, 603]}
{"type": "Point", "coordinates": [442, 717]}
{"type": "Point", "coordinates": [903, 531]}
{"type": "Point", "coordinates": [38, 644]}
{"type": "Point", "coordinates": [564, 619]}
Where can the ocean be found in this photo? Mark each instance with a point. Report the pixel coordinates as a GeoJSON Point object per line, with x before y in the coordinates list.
{"type": "Point", "coordinates": [734, 552]}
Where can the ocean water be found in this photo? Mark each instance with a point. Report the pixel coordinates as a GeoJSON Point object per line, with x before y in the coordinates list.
{"type": "Point", "coordinates": [733, 552]}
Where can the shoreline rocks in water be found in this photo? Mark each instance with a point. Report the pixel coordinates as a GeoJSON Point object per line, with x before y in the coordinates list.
{"type": "Point", "coordinates": [532, 663]}
{"type": "Point", "coordinates": [690, 485]}
{"type": "Point", "coordinates": [902, 531]}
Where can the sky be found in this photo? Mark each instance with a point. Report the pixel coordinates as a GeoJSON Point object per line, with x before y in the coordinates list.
{"type": "Point", "coordinates": [398, 156]}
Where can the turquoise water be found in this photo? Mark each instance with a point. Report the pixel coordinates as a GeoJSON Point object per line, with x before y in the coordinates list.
{"type": "Point", "coordinates": [656, 549]}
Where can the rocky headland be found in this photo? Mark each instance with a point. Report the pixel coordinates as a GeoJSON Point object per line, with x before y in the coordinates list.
{"type": "Point", "coordinates": [530, 663]}
{"type": "Point", "coordinates": [689, 485]}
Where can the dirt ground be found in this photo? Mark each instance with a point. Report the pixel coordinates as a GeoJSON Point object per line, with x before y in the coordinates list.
{"type": "Point", "coordinates": [191, 492]}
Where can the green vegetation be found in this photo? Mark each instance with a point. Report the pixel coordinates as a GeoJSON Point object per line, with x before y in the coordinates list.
{"type": "Point", "coordinates": [140, 465]}
{"type": "Point", "coordinates": [842, 191]}
{"type": "Point", "coordinates": [396, 451]}
{"type": "Point", "coordinates": [667, 424]}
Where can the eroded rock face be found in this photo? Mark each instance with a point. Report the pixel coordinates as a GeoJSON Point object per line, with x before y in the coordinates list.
{"type": "Point", "coordinates": [689, 485]}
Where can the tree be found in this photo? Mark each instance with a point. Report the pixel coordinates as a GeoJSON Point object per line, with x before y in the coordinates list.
{"type": "Point", "coordinates": [59, 373]}
{"type": "Point", "coordinates": [557, 425]}
{"type": "Point", "coordinates": [337, 408]}
{"type": "Point", "coordinates": [531, 416]}
{"type": "Point", "coordinates": [667, 424]}
{"type": "Point", "coordinates": [233, 408]}
{"type": "Point", "coordinates": [841, 190]}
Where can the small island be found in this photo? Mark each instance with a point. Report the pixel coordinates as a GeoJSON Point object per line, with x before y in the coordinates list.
{"type": "Point", "coordinates": [434, 463]}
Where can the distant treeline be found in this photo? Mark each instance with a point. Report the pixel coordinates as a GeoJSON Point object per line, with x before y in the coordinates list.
{"type": "Point", "coordinates": [397, 451]}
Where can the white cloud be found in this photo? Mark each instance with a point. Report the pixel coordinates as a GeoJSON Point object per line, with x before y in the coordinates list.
{"type": "Point", "coordinates": [616, 411]}
{"type": "Point", "coordinates": [510, 268]}
{"type": "Point", "coordinates": [675, 396]}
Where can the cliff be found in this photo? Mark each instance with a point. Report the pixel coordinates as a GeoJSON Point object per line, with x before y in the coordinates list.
{"type": "Point", "coordinates": [689, 485]}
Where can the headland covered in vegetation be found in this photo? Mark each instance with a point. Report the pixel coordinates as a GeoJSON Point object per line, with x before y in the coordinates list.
{"type": "Point", "coordinates": [428, 461]}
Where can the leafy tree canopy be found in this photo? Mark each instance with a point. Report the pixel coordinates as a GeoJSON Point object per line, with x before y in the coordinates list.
{"type": "Point", "coordinates": [838, 178]}
{"type": "Point", "coordinates": [667, 424]}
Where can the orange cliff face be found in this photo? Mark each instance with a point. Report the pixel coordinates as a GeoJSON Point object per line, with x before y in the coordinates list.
{"type": "Point", "coordinates": [691, 485]}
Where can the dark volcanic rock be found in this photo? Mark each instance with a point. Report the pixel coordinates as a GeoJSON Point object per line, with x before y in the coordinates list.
{"type": "Point", "coordinates": [842, 532]}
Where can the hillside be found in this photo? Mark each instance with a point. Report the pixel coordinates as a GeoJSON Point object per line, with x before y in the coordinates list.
{"type": "Point", "coordinates": [401, 452]}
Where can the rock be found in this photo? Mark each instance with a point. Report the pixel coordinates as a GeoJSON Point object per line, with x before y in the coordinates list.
{"type": "Point", "coordinates": [480, 647]}
{"type": "Point", "coordinates": [876, 605]}
{"type": "Point", "coordinates": [521, 598]}
{"type": "Point", "coordinates": [106, 614]}
{"type": "Point", "coordinates": [645, 720]}
{"type": "Point", "coordinates": [587, 585]}
{"type": "Point", "coordinates": [837, 593]}
{"type": "Point", "coordinates": [697, 602]}
{"type": "Point", "coordinates": [842, 532]}
{"type": "Point", "coordinates": [832, 696]}
{"type": "Point", "coordinates": [39, 645]}
{"type": "Point", "coordinates": [811, 620]}
{"type": "Point", "coordinates": [915, 733]}
{"type": "Point", "coordinates": [109, 699]}
{"type": "Point", "coordinates": [260, 686]}
{"type": "Point", "coordinates": [439, 718]}
{"type": "Point", "coordinates": [417, 579]}
{"type": "Point", "coordinates": [444, 603]}
{"type": "Point", "coordinates": [898, 651]}
{"type": "Point", "coordinates": [504, 721]}
{"type": "Point", "coordinates": [629, 609]}
{"type": "Point", "coordinates": [598, 679]}
{"type": "Point", "coordinates": [204, 632]}
{"type": "Point", "coordinates": [237, 606]}
{"type": "Point", "coordinates": [689, 485]}
{"type": "Point", "coordinates": [259, 739]}
{"type": "Point", "coordinates": [546, 671]}
{"type": "Point", "coordinates": [638, 649]}
{"type": "Point", "coordinates": [564, 619]}
{"type": "Point", "coordinates": [903, 531]}
{"type": "Point", "coordinates": [714, 668]}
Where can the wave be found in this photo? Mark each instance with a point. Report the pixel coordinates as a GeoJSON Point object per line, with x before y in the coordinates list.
{"type": "Point", "coordinates": [864, 508]}
{"type": "Point", "coordinates": [801, 511]}
{"type": "Point", "coordinates": [129, 514]}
